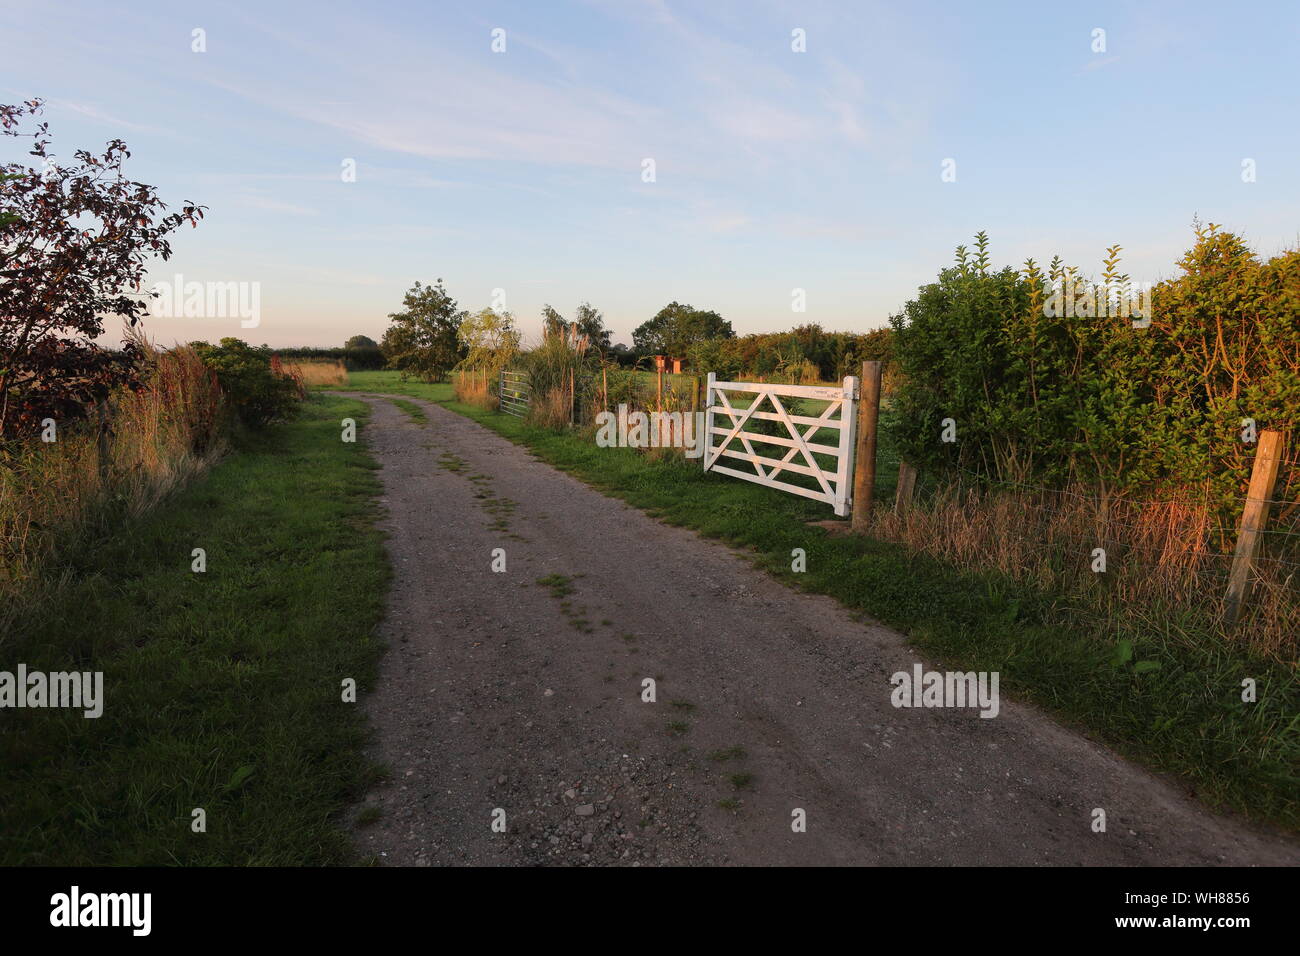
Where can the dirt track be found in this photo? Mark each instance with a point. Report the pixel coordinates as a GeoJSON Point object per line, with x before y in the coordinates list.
{"type": "Point", "coordinates": [492, 696]}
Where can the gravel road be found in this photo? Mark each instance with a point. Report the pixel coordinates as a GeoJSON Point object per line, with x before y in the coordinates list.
{"type": "Point", "coordinates": [502, 699]}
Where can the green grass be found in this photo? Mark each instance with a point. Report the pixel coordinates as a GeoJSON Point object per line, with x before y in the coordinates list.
{"type": "Point", "coordinates": [560, 585]}
{"type": "Point", "coordinates": [1185, 718]}
{"type": "Point", "coordinates": [741, 780]}
{"type": "Point", "coordinates": [222, 689]}
{"type": "Point", "coordinates": [390, 383]}
{"type": "Point", "coordinates": [413, 411]}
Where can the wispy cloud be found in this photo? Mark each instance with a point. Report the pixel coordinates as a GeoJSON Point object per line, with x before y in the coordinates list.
{"type": "Point", "coordinates": [512, 107]}
{"type": "Point", "coordinates": [99, 116]}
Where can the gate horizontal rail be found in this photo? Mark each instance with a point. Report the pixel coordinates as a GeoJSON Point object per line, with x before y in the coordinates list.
{"type": "Point", "coordinates": [834, 485]}
{"type": "Point", "coordinates": [513, 393]}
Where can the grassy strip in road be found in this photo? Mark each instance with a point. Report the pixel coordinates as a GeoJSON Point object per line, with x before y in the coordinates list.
{"type": "Point", "coordinates": [412, 411]}
{"type": "Point", "coordinates": [222, 689]}
{"type": "Point", "coordinates": [1184, 717]}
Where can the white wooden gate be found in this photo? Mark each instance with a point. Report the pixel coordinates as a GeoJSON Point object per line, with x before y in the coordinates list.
{"type": "Point", "coordinates": [834, 486]}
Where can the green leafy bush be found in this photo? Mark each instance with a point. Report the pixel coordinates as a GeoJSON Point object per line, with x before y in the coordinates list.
{"type": "Point", "coordinates": [815, 353]}
{"type": "Point", "coordinates": [257, 391]}
{"type": "Point", "coordinates": [626, 386]}
{"type": "Point", "coordinates": [1050, 396]}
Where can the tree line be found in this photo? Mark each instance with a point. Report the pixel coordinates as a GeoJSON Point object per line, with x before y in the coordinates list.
{"type": "Point", "coordinates": [431, 336]}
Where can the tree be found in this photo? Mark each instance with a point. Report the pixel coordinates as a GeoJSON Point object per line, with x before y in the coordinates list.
{"type": "Point", "coordinates": [7, 217]}
{"type": "Point", "coordinates": [362, 352]}
{"type": "Point", "coordinates": [75, 241]}
{"type": "Point", "coordinates": [587, 321]}
{"type": "Point", "coordinates": [677, 328]}
{"type": "Point", "coordinates": [591, 323]}
{"type": "Point", "coordinates": [423, 339]}
{"type": "Point", "coordinates": [489, 340]}
{"type": "Point", "coordinates": [552, 322]}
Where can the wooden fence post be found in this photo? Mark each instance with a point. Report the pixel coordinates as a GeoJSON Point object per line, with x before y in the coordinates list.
{"type": "Point", "coordinates": [906, 486]}
{"type": "Point", "coordinates": [864, 459]}
{"type": "Point", "coordinates": [1263, 476]}
{"type": "Point", "coordinates": [659, 407]}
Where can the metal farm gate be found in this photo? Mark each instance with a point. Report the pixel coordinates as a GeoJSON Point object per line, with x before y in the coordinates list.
{"type": "Point", "coordinates": [513, 393]}
{"type": "Point", "coordinates": [797, 433]}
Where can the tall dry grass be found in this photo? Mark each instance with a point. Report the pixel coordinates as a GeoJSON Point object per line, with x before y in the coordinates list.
{"type": "Point", "coordinates": [310, 373]}
{"type": "Point", "coordinates": [555, 370]}
{"type": "Point", "coordinates": [138, 447]}
{"type": "Point", "coordinates": [474, 388]}
{"type": "Point", "coordinates": [1164, 559]}
{"type": "Point", "coordinates": [551, 409]}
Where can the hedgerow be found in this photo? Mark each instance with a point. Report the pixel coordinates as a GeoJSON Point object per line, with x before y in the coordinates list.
{"type": "Point", "coordinates": [1044, 394]}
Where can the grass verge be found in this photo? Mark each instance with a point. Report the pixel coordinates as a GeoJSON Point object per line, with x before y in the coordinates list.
{"type": "Point", "coordinates": [1170, 699]}
{"type": "Point", "coordinates": [222, 689]}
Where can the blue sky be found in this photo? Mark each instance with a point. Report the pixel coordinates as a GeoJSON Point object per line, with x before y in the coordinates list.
{"type": "Point", "coordinates": [775, 170]}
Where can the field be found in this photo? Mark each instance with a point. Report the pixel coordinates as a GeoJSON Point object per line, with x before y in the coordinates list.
{"type": "Point", "coordinates": [314, 373]}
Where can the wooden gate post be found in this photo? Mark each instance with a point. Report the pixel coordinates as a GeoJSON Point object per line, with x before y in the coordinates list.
{"type": "Point", "coordinates": [906, 487]}
{"type": "Point", "coordinates": [1263, 476]}
{"type": "Point", "coordinates": [864, 459]}
{"type": "Point", "coordinates": [659, 407]}
{"type": "Point", "coordinates": [708, 418]}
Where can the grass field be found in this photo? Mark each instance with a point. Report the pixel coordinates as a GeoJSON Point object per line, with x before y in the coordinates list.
{"type": "Point", "coordinates": [1181, 713]}
{"type": "Point", "coordinates": [222, 689]}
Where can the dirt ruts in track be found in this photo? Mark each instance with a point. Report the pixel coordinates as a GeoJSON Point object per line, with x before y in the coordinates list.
{"type": "Point", "coordinates": [500, 694]}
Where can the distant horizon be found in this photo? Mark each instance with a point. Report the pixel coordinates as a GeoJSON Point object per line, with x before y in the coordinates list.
{"type": "Point", "coordinates": [844, 151]}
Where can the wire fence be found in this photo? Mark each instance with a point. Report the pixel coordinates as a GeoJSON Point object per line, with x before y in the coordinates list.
{"type": "Point", "coordinates": [1127, 554]}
